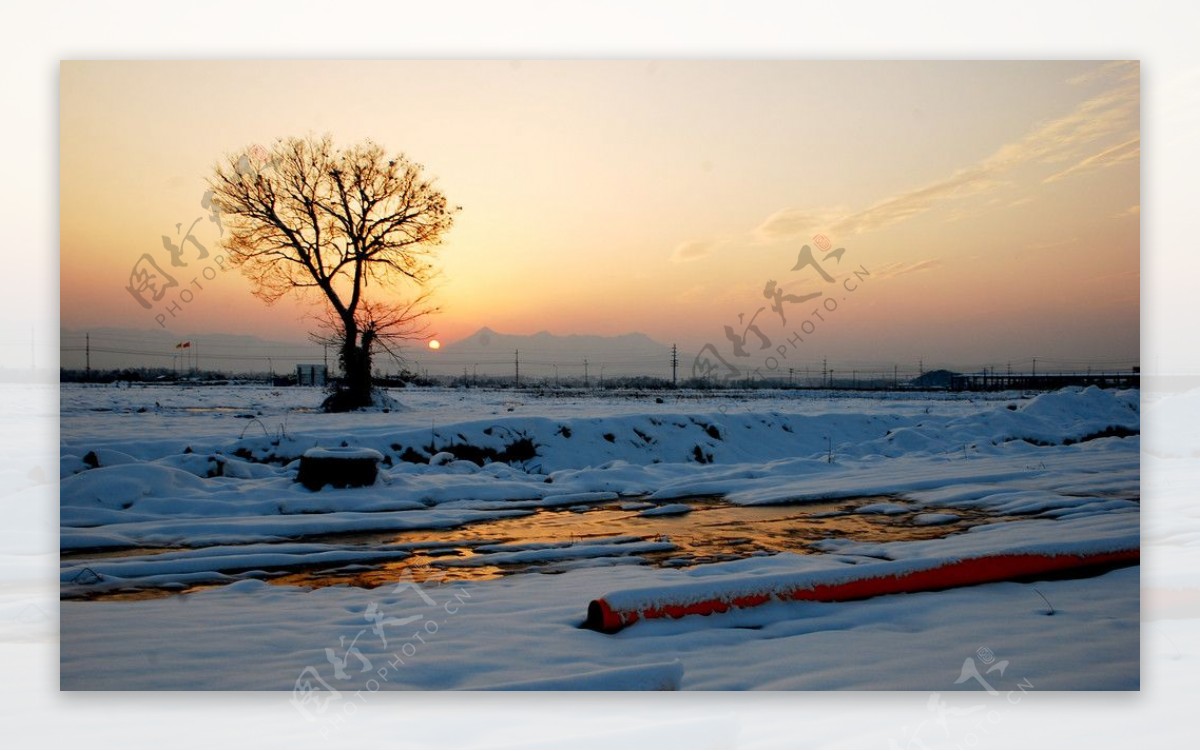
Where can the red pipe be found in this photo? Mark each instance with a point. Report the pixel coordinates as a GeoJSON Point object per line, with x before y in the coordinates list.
{"type": "Point", "coordinates": [990, 568]}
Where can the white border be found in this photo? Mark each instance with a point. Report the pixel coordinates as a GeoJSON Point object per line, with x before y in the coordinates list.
{"type": "Point", "coordinates": [38, 34]}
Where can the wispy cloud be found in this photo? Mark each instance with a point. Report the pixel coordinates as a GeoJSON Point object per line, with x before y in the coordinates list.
{"type": "Point", "coordinates": [1133, 210]}
{"type": "Point", "coordinates": [697, 248]}
{"type": "Point", "coordinates": [692, 250]}
{"type": "Point", "coordinates": [967, 182]}
{"type": "Point", "coordinates": [1121, 70]}
{"type": "Point", "coordinates": [1110, 115]}
{"type": "Point", "coordinates": [1122, 152]}
{"type": "Point", "coordinates": [798, 222]}
{"type": "Point", "coordinates": [899, 268]}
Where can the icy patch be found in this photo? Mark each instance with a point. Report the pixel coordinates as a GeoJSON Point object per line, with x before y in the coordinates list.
{"type": "Point", "coordinates": [561, 552]}
{"type": "Point", "coordinates": [343, 452]}
{"type": "Point", "coordinates": [670, 509]}
{"type": "Point", "coordinates": [930, 520]}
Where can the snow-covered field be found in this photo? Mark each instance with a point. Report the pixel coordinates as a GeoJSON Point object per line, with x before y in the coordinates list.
{"type": "Point", "coordinates": [189, 493]}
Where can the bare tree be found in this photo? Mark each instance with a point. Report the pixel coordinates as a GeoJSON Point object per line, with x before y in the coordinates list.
{"type": "Point", "coordinates": [306, 217]}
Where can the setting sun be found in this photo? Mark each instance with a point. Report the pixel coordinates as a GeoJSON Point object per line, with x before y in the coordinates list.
{"type": "Point", "coordinates": [916, 283]}
{"type": "Point", "coordinates": [948, 201]}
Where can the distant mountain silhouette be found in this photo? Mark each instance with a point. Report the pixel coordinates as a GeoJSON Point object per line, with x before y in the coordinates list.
{"type": "Point", "coordinates": [489, 351]}
{"type": "Point", "coordinates": [486, 352]}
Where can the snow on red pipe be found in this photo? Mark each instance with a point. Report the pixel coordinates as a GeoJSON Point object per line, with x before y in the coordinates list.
{"type": "Point", "coordinates": [616, 610]}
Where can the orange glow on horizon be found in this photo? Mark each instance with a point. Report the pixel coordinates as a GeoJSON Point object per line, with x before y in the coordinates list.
{"type": "Point", "coordinates": [615, 197]}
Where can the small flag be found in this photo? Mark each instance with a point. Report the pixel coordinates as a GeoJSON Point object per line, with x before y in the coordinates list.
{"type": "Point", "coordinates": [183, 345]}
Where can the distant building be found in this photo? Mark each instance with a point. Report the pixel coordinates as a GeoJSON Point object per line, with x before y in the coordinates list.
{"type": "Point", "coordinates": [310, 375]}
{"type": "Point", "coordinates": [934, 379]}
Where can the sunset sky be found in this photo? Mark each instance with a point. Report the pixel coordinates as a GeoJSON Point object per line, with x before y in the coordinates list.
{"type": "Point", "coordinates": [995, 205]}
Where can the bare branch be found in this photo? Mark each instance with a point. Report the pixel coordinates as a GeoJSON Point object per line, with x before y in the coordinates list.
{"type": "Point", "coordinates": [308, 215]}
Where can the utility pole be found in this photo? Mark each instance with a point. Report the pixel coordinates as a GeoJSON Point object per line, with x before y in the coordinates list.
{"type": "Point", "coordinates": [825, 371]}
{"type": "Point", "coordinates": [517, 367]}
{"type": "Point", "coordinates": [88, 349]}
{"type": "Point", "coordinates": [585, 373]}
{"type": "Point", "coordinates": [895, 376]}
{"type": "Point", "coordinates": [1034, 373]}
{"type": "Point", "coordinates": [674, 365]}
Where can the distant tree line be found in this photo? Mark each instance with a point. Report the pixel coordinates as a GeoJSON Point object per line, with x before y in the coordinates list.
{"type": "Point", "coordinates": [940, 380]}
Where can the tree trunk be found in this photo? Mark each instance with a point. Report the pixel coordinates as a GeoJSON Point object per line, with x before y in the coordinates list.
{"type": "Point", "coordinates": [355, 389]}
{"type": "Point", "coordinates": [358, 376]}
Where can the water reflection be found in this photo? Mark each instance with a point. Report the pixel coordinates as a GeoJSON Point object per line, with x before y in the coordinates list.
{"type": "Point", "coordinates": [615, 533]}
{"type": "Point", "coordinates": [713, 531]}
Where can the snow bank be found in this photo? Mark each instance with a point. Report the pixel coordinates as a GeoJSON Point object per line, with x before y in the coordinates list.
{"type": "Point", "coordinates": [669, 509]}
{"type": "Point", "coordinates": [343, 452]}
{"type": "Point", "coordinates": [560, 552]}
{"type": "Point", "coordinates": [525, 628]}
{"type": "Point", "coordinates": [662, 676]}
{"type": "Point", "coordinates": [146, 570]}
{"type": "Point", "coordinates": [213, 468]}
{"type": "Point", "coordinates": [616, 610]}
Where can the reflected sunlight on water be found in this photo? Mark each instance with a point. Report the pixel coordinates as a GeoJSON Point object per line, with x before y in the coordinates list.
{"type": "Point", "coordinates": [612, 533]}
